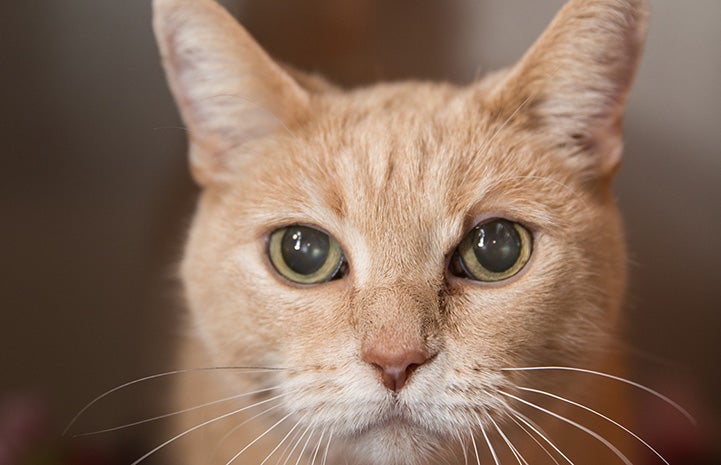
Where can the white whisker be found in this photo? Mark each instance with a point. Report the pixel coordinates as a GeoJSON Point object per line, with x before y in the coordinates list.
{"type": "Point", "coordinates": [205, 423]}
{"type": "Point", "coordinates": [179, 412]}
{"type": "Point", "coordinates": [297, 443]}
{"type": "Point", "coordinates": [160, 375]}
{"type": "Point", "coordinates": [327, 447]}
{"type": "Point", "coordinates": [519, 458]}
{"type": "Point", "coordinates": [616, 378]}
{"type": "Point", "coordinates": [475, 448]}
{"type": "Point", "coordinates": [317, 447]}
{"type": "Point", "coordinates": [588, 409]}
{"type": "Point", "coordinates": [261, 436]}
{"type": "Point", "coordinates": [607, 443]}
{"type": "Point", "coordinates": [535, 440]}
{"type": "Point", "coordinates": [241, 424]}
{"type": "Point", "coordinates": [490, 446]}
{"type": "Point", "coordinates": [305, 446]}
{"type": "Point", "coordinates": [288, 445]}
{"type": "Point", "coordinates": [282, 441]}
{"type": "Point", "coordinates": [542, 434]}
{"type": "Point", "coordinates": [463, 448]}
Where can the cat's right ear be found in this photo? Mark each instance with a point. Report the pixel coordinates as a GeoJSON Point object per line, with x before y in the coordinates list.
{"type": "Point", "coordinates": [228, 90]}
{"type": "Point", "coordinates": [571, 85]}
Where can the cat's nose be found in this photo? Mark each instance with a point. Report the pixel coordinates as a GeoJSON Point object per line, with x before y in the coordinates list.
{"type": "Point", "coordinates": [395, 367]}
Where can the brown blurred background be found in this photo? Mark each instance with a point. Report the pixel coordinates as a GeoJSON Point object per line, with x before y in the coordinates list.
{"type": "Point", "coordinates": [95, 196]}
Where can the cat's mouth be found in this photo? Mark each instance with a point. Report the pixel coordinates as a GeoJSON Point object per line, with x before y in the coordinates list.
{"type": "Point", "coordinates": [397, 416]}
{"type": "Point", "coordinates": [402, 436]}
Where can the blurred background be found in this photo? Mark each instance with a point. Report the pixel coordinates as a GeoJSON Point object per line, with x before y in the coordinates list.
{"type": "Point", "coordinates": [95, 196]}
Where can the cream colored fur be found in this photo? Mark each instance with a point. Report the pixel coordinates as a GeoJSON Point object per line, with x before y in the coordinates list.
{"type": "Point", "coordinates": [398, 173]}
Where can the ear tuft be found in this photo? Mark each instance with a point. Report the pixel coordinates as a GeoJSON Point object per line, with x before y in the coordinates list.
{"type": "Point", "coordinates": [228, 90]}
{"type": "Point", "coordinates": [573, 82]}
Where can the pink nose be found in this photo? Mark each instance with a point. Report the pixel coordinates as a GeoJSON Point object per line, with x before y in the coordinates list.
{"type": "Point", "coordinates": [395, 367]}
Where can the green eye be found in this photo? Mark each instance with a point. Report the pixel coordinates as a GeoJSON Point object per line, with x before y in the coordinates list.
{"type": "Point", "coordinates": [305, 255]}
{"type": "Point", "coordinates": [492, 251]}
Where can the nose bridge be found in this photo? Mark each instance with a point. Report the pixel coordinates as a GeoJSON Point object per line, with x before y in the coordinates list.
{"type": "Point", "coordinates": [401, 237]}
{"type": "Point", "coordinates": [397, 319]}
{"type": "Point", "coordinates": [396, 327]}
{"type": "Point", "coordinates": [408, 306]}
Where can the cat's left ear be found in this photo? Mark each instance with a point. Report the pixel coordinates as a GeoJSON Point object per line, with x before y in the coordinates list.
{"type": "Point", "coordinates": [572, 83]}
{"type": "Point", "coordinates": [228, 90]}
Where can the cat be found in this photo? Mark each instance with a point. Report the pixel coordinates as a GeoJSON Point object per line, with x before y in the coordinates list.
{"type": "Point", "coordinates": [405, 273]}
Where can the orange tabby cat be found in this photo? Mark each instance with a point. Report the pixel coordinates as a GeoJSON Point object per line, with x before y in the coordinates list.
{"type": "Point", "coordinates": [389, 262]}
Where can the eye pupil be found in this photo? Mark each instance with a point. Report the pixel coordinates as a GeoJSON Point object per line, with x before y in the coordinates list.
{"type": "Point", "coordinates": [306, 255]}
{"type": "Point", "coordinates": [305, 250]}
{"type": "Point", "coordinates": [492, 251]}
{"type": "Point", "coordinates": [497, 245]}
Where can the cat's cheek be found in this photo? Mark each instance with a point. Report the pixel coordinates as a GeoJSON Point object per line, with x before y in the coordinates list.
{"type": "Point", "coordinates": [309, 325]}
{"type": "Point", "coordinates": [511, 324]}
{"type": "Point", "coordinates": [222, 285]}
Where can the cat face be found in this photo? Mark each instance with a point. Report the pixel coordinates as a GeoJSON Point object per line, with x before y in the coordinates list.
{"type": "Point", "coordinates": [460, 230]}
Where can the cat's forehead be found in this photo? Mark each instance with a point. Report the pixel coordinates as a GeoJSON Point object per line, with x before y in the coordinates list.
{"type": "Point", "coordinates": [397, 148]}
{"type": "Point", "coordinates": [416, 150]}
{"type": "Point", "coordinates": [399, 163]}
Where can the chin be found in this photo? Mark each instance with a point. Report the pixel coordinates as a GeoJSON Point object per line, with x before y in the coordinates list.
{"type": "Point", "coordinates": [394, 443]}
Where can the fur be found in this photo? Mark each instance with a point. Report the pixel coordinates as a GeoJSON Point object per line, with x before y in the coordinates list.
{"type": "Point", "coordinates": [399, 173]}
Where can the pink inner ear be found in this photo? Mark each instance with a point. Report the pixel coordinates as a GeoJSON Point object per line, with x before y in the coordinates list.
{"type": "Point", "coordinates": [228, 90]}
{"type": "Point", "coordinates": [572, 83]}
